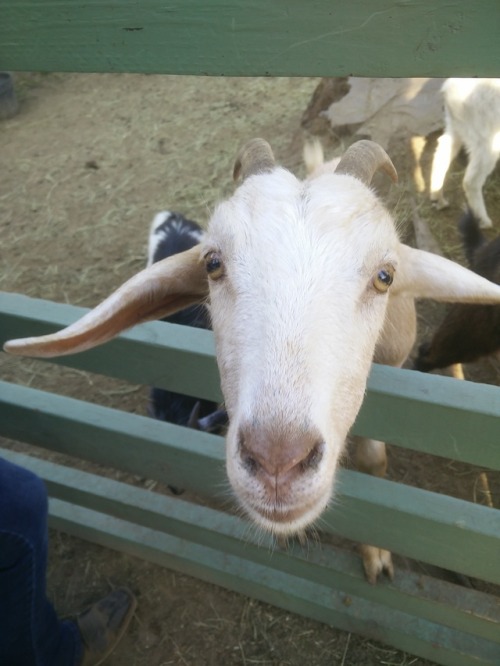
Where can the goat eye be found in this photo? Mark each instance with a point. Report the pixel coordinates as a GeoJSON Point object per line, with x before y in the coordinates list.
{"type": "Point", "coordinates": [213, 265]}
{"type": "Point", "coordinates": [384, 278]}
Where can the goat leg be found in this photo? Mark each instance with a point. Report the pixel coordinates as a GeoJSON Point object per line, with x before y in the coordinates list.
{"type": "Point", "coordinates": [371, 458]}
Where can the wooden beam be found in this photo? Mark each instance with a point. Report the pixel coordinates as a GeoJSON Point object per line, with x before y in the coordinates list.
{"type": "Point", "coordinates": [240, 38]}
{"type": "Point", "coordinates": [136, 444]}
{"type": "Point", "coordinates": [433, 414]}
{"type": "Point", "coordinates": [439, 529]}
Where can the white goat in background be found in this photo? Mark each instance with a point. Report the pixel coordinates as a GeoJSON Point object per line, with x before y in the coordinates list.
{"type": "Point", "coordinates": [472, 120]}
{"type": "Point", "coordinates": [307, 283]}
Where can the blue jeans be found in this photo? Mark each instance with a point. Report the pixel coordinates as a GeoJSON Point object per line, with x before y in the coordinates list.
{"type": "Point", "coordinates": [30, 632]}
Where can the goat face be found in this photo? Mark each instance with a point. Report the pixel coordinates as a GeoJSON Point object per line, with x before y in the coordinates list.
{"type": "Point", "coordinates": [298, 276]}
{"type": "Point", "coordinates": [298, 298]}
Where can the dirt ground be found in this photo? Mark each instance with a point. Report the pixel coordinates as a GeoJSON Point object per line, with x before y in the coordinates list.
{"type": "Point", "coordinates": [85, 165]}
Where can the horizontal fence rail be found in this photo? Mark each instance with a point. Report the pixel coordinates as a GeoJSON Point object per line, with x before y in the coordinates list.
{"type": "Point", "coordinates": [258, 38]}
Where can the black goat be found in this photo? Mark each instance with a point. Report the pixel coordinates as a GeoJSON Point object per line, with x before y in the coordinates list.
{"type": "Point", "coordinates": [170, 234]}
{"type": "Point", "coordinates": [468, 332]}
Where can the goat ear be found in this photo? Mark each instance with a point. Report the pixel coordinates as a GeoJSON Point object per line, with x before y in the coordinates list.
{"type": "Point", "coordinates": [160, 290]}
{"type": "Point", "coordinates": [425, 275]}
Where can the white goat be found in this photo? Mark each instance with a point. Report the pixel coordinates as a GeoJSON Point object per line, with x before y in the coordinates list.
{"type": "Point", "coordinates": [307, 283]}
{"type": "Point", "coordinates": [472, 120]}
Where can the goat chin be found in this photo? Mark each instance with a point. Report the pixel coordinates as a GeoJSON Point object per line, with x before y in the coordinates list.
{"type": "Point", "coordinates": [284, 521]}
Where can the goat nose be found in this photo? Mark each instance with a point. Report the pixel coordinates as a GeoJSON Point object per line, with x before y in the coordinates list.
{"type": "Point", "coordinates": [280, 455]}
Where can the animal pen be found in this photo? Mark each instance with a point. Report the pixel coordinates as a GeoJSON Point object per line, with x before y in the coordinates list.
{"type": "Point", "coordinates": [426, 616]}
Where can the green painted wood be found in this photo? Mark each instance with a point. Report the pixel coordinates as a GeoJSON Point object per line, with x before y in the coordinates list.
{"type": "Point", "coordinates": [317, 601]}
{"type": "Point", "coordinates": [433, 414]}
{"type": "Point", "coordinates": [241, 38]}
{"type": "Point", "coordinates": [422, 596]}
{"type": "Point", "coordinates": [168, 356]}
{"type": "Point", "coordinates": [132, 443]}
{"type": "Point", "coordinates": [424, 525]}
{"type": "Point", "coordinates": [427, 526]}
{"type": "Point", "coordinates": [458, 420]}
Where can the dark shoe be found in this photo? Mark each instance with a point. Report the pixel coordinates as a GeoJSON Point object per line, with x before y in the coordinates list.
{"type": "Point", "coordinates": [103, 624]}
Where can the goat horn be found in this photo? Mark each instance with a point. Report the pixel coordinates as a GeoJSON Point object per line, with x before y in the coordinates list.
{"type": "Point", "coordinates": [255, 157]}
{"type": "Point", "coordinates": [363, 159]}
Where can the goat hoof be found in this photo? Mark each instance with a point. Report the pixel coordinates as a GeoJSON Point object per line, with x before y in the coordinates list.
{"type": "Point", "coordinates": [375, 562]}
{"type": "Point", "coordinates": [440, 204]}
{"type": "Point", "coordinates": [485, 223]}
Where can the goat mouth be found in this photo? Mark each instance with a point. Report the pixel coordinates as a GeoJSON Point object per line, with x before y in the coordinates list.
{"type": "Point", "coordinates": [287, 521]}
{"type": "Point", "coordinates": [279, 515]}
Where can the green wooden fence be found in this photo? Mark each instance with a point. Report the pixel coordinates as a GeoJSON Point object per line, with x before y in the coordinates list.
{"type": "Point", "coordinates": [441, 621]}
{"type": "Point", "coordinates": [253, 38]}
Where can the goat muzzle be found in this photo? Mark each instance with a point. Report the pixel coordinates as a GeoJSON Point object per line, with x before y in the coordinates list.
{"type": "Point", "coordinates": [278, 459]}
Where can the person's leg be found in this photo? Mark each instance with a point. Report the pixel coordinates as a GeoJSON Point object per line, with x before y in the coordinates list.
{"type": "Point", "coordinates": [30, 632]}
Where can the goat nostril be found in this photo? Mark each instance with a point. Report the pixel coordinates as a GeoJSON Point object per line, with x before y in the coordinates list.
{"type": "Point", "coordinates": [282, 457]}
{"type": "Point", "coordinates": [249, 462]}
{"type": "Point", "coordinates": [313, 458]}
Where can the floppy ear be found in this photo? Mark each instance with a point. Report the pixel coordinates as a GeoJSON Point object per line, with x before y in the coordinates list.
{"type": "Point", "coordinates": [159, 290]}
{"type": "Point", "coordinates": [425, 275]}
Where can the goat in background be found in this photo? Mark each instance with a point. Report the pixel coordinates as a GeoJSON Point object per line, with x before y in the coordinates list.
{"type": "Point", "coordinates": [468, 331]}
{"type": "Point", "coordinates": [472, 120]}
{"type": "Point", "coordinates": [170, 234]}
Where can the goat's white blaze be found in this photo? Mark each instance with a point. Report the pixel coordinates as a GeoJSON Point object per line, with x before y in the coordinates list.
{"type": "Point", "coordinates": [296, 318]}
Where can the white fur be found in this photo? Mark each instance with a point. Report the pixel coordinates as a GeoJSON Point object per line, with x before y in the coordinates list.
{"type": "Point", "coordinates": [296, 302]}
{"type": "Point", "coordinates": [472, 120]}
